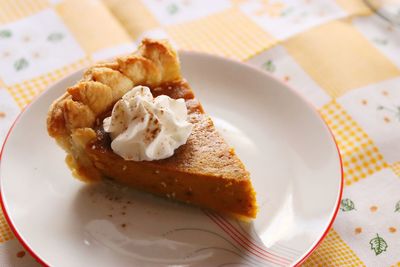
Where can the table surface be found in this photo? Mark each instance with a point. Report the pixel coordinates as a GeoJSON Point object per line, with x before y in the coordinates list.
{"type": "Point", "coordinates": [339, 55]}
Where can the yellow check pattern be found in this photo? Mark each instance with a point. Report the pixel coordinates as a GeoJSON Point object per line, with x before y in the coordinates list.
{"type": "Point", "coordinates": [24, 92]}
{"type": "Point", "coordinates": [13, 10]}
{"type": "Point", "coordinates": [360, 156]}
{"type": "Point", "coordinates": [134, 25]}
{"type": "Point", "coordinates": [334, 54]}
{"type": "Point", "coordinates": [229, 33]}
{"type": "Point", "coordinates": [88, 31]}
{"type": "Point", "coordinates": [354, 64]}
{"type": "Point", "coordinates": [5, 231]}
{"type": "Point", "coordinates": [396, 168]}
{"type": "Point", "coordinates": [333, 252]}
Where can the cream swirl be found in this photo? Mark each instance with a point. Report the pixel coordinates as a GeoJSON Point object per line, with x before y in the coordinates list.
{"type": "Point", "coordinates": [146, 128]}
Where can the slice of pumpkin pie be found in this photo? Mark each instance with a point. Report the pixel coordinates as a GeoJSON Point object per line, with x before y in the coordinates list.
{"type": "Point", "coordinates": [135, 120]}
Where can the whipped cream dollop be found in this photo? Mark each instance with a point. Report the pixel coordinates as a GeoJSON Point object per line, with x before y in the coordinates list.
{"type": "Point", "coordinates": [146, 128]}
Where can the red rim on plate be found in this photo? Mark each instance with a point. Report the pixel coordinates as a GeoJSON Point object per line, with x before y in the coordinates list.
{"type": "Point", "coordinates": [43, 263]}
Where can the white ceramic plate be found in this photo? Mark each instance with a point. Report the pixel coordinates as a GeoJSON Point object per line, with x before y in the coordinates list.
{"type": "Point", "coordinates": [289, 151]}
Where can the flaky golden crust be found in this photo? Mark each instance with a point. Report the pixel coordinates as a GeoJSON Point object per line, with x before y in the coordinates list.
{"type": "Point", "coordinates": [71, 117]}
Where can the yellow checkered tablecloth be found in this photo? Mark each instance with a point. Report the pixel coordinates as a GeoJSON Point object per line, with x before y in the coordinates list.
{"type": "Point", "coordinates": [341, 56]}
